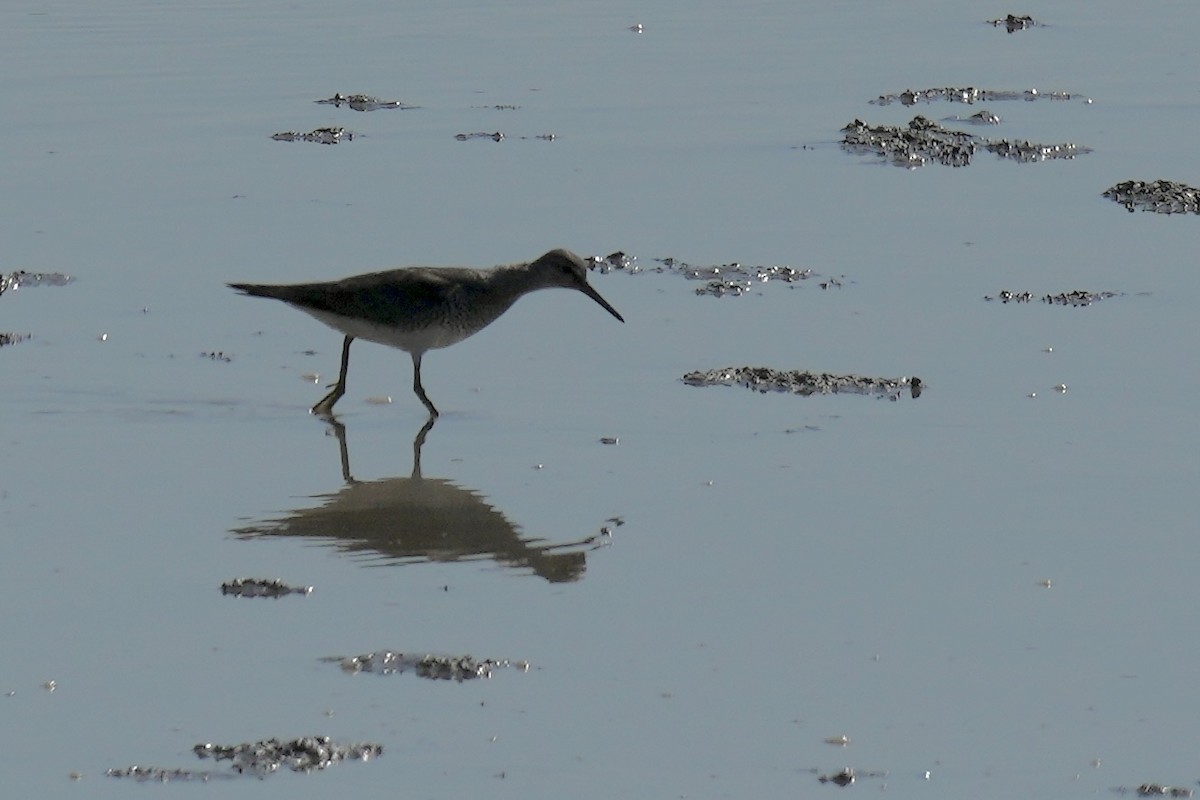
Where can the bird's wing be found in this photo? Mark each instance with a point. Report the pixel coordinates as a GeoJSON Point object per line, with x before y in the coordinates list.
{"type": "Point", "coordinates": [386, 298]}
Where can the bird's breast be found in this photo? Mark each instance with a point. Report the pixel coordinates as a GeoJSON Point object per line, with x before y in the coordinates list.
{"type": "Point", "coordinates": [429, 335]}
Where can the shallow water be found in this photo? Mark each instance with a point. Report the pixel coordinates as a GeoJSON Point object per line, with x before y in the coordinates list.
{"type": "Point", "coordinates": [789, 568]}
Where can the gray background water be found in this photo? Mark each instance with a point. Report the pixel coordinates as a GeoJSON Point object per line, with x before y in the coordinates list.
{"type": "Point", "coordinates": [789, 568]}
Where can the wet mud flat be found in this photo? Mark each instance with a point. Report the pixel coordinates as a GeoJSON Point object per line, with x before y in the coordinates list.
{"type": "Point", "coordinates": [924, 141]}
{"type": "Point", "coordinates": [309, 754]}
{"type": "Point", "coordinates": [736, 280]}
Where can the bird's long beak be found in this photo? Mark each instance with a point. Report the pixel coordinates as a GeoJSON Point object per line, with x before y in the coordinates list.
{"type": "Point", "coordinates": [592, 293]}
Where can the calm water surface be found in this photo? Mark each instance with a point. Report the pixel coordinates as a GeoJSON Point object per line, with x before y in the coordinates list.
{"type": "Point", "coordinates": [788, 569]}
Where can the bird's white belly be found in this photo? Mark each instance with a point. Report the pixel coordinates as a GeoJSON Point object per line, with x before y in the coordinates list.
{"type": "Point", "coordinates": [414, 340]}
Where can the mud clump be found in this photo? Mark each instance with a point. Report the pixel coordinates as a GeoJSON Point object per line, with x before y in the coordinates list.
{"type": "Point", "coordinates": [1160, 196]}
{"type": "Point", "coordinates": [1013, 23]}
{"type": "Point", "coordinates": [15, 280]}
{"type": "Point", "coordinates": [924, 141]}
{"type": "Point", "coordinates": [720, 280]}
{"type": "Point", "coordinates": [258, 759]}
{"type": "Point", "coordinates": [429, 666]}
{"type": "Point", "coordinates": [362, 102]}
{"type": "Point", "coordinates": [1079, 298]}
{"type": "Point", "coordinates": [262, 587]}
{"type": "Point", "coordinates": [320, 136]}
{"type": "Point", "coordinates": [765, 379]}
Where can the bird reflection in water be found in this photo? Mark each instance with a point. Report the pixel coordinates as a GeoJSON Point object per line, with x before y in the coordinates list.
{"type": "Point", "coordinates": [415, 519]}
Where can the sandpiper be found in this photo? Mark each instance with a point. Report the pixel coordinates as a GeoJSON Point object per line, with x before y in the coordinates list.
{"type": "Point", "coordinates": [423, 308]}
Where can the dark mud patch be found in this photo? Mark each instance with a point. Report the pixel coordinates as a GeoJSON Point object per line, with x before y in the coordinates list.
{"type": "Point", "coordinates": [425, 665]}
{"type": "Point", "coordinates": [847, 776]}
{"type": "Point", "coordinates": [843, 778]}
{"type": "Point", "coordinates": [319, 136]}
{"type": "Point", "coordinates": [363, 102]}
{"type": "Point", "coordinates": [765, 379]}
{"type": "Point", "coordinates": [720, 280]}
{"type": "Point", "coordinates": [971, 95]}
{"type": "Point", "coordinates": [258, 759]}
{"type": "Point", "coordinates": [21, 278]}
{"type": "Point", "coordinates": [1013, 23]}
{"type": "Point", "coordinates": [12, 338]}
{"type": "Point", "coordinates": [1078, 298]}
{"type": "Point", "coordinates": [497, 136]}
{"type": "Point", "coordinates": [1155, 790]}
{"type": "Point", "coordinates": [924, 141]}
{"type": "Point", "coordinates": [262, 587]}
{"type": "Point", "coordinates": [983, 117]}
{"type": "Point", "coordinates": [1160, 196]}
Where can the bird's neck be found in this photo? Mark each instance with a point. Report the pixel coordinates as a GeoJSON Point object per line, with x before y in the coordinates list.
{"type": "Point", "coordinates": [510, 282]}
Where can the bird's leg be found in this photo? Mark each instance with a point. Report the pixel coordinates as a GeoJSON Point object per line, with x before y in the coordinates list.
{"type": "Point", "coordinates": [324, 407]}
{"type": "Point", "coordinates": [418, 388]}
{"type": "Point", "coordinates": [418, 443]}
